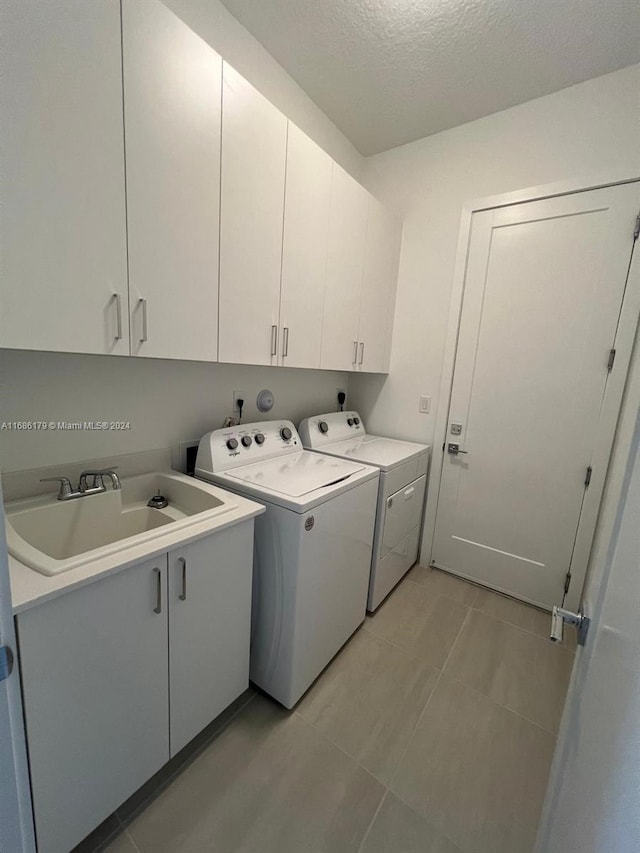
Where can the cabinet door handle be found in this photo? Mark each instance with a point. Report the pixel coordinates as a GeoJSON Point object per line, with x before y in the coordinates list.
{"type": "Point", "coordinates": [274, 340]}
{"type": "Point", "coordinates": [355, 352]}
{"type": "Point", "coordinates": [409, 493]}
{"type": "Point", "coordinates": [143, 304]}
{"type": "Point", "coordinates": [285, 342]}
{"type": "Point", "coordinates": [118, 301]}
{"type": "Point", "coordinates": [158, 607]}
{"type": "Point", "coordinates": [183, 594]}
{"type": "Point", "coordinates": [361, 353]}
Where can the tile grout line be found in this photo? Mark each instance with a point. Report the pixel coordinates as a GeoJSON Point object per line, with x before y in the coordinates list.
{"type": "Point", "coordinates": [130, 837]}
{"type": "Point", "coordinates": [428, 702]}
{"type": "Point", "coordinates": [520, 716]}
{"type": "Point", "coordinates": [341, 749]}
{"type": "Point", "coordinates": [373, 819]}
{"type": "Point", "coordinates": [521, 629]}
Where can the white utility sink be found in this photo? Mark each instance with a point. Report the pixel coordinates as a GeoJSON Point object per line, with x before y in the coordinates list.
{"type": "Point", "coordinates": [53, 536]}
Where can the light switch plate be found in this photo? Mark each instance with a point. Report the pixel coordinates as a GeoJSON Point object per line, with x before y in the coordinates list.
{"type": "Point", "coordinates": [424, 404]}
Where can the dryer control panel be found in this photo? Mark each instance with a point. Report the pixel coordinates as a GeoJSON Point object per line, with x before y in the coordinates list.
{"type": "Point", "coordinates": [231, 447]}
{"type": "Point", "coordinates": [326, 429]}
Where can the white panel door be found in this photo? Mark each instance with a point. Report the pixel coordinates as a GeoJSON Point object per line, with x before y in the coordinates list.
{"type": "Point", "coordinates": [210, 628]}
{"type": "Point", "coordinates": [345, 259]}
{"type": "Point", "coordinates": [381, 257]}
{"type": "Point", "coordinates": [254, 144]}
{"type": "Point", "coordinates": [64, 264]}
{"type": "Point", "coordinates": [16, 824]}
{"type": "Point", "coordinates": [543, 292]}
{"type": "Point", "coordinates": [172, 102]}
{"type": "Point", "coordinates": [304, 253]}
{"type": "Point", "coordinates": [95, 683]}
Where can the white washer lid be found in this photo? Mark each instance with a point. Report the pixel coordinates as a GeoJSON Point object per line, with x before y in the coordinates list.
{"type": "Point", "coordinates": [296, 474]}
{"type": "Point", "coordinates": [386, 453]}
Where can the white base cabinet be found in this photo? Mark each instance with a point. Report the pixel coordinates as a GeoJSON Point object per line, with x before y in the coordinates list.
{"type": "Point", "coordinates": [95, 683]}
{"type": "Point", "coordinates": [103, 709]}
{"type": "Point", "coordinates": [209, 629]}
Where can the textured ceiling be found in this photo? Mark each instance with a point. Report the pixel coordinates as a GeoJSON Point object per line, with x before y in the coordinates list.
{"type": "Point", "coordinates": [391, 71]}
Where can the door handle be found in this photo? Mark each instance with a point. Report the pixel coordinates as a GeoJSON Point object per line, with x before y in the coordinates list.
{"type": "Point", "coordinates": [118, 301]}
{"type": "Point", "coordinates": [143, 305]}
{"type": "Point", "coordinates": [274, 340]}
{"type": "Point", "coordinates": [285, 342]}
{"type": "Point", "coordinates": [454, 449]}
{"type": "Point", "coordinates": [409, 493]}
{"type": "Point", "coordinates": [355, 352]}
{"type": "Point", "coordinates": [361, 353]}
{"type": "Point", "coordinates": [183, 594]}
{"type": "Point", "coordinates": [158, 607]}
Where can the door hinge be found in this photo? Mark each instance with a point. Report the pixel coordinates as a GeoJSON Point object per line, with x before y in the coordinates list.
{"type": "Point", "coordinates": [567, 582]}
{"type": "Point", "coordinates": [636, 232]}
{"type": "Point", "coordinates": [6, 662]}
{"type": "Point", "coordinates": [612, 358]}
{"type": "Point", "coordinates": [587, 478]}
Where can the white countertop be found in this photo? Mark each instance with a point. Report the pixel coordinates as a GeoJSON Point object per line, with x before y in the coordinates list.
{"type": "Point", "coordinates": [29, 587]}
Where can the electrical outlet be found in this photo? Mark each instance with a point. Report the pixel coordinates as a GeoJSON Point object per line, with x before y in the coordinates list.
{"type": "Point", "coordinates": [342, 391]}
{"type": "Point", "coordinates": [424, 404]}
{"type": "Point", "coordinates": [238, 395]}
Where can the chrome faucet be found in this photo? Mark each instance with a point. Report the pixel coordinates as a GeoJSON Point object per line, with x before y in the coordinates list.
{"type": "Point", "coordinates": [98, 482]}
{"type": "Point", "coordinates": [67, 493]}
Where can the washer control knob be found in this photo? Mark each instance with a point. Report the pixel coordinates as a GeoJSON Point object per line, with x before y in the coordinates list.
{"type": "Point", "coordinates": [350, 421]}
{"type": "Point", "coordinates": [232, 443]}
{"type": "Point", "coordinates": [356, 421]}
{"type": "Point", "coordinates": [259, 438]}
{"type": "Point", "coordinates": [285, 433]}
{"type": "Point", "coordinates": [323, 426]}
{"type": "Point", "coordinates": [246, 440]}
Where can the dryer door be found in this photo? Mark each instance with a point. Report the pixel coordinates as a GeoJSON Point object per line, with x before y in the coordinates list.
{"type": "Point", "coordinates": [403, 512]}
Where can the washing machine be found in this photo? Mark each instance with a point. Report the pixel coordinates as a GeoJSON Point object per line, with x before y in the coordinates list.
{"type": "Point", "coordinates": [312, 547]}
{"type": "Point", "coordinates": [401, 496]}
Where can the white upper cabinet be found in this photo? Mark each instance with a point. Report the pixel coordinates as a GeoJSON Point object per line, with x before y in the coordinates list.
{"type": "Point", "coordinates": [382, 252]}
{"type": "Point", "coordinates": [172, 104]}
{"type": "Point", "coordinates": [254, 142]}
{"type": "Point", "coordinates": [304, 252]}
{"type": "Point", "coordinates": [345, 258]}
{"type": "Point", "coordinates": [64, 265]}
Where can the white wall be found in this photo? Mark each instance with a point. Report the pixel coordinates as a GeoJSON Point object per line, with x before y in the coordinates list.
{"type": "Point", "coordinates": [211, 20]}
{"type": "Point", "coordinates": [167, 402]}
{"type": "Point", "coordinates": [589, 129]}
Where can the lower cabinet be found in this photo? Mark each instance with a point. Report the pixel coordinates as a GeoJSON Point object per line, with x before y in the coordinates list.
{"type": "Point", "coordinates": [209, 629]}
{"type": "Point", "coordinates": [103, 709]}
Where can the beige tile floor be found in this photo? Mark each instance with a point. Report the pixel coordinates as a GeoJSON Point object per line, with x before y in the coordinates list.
{"type": "Point", "coordinates": [431, 732]}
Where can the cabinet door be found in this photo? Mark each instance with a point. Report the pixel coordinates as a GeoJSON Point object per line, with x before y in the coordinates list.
{"type": "Point", "coordinates": [254, 141]}
{"type": "Point", "coordinates": [94, 673]}
{"type": "Point", "coordinates": [304, 252]}
{"type": "Point", "coordinates": [209, 627]}
{"type": "Point", "coordinates": [172, 103]}
{"type": "Point", "coordinates": [345, 258]}
{"type": "Point", "coordinates": [377, 303]}
{"type": "Point", "coordinates": [64, 265]}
